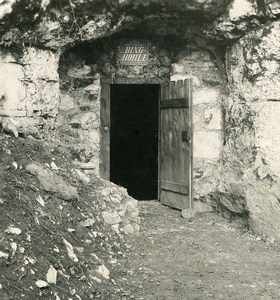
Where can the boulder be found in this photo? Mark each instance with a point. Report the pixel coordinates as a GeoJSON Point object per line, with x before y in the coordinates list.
{"type": "Point", "coordinates": [52, 182]}
{"type": "Point", "coordinates": [198, 207]}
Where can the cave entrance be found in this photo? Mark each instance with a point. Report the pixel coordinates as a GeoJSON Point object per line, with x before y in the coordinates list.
{"type": "Point", "coordinates": [146, 138]}
{"type": "Point", "coordinates": [134, 117]}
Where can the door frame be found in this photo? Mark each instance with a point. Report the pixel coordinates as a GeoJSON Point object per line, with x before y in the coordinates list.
{"type": "Point", "coordinates": [104, 165]}
{"type": "Point", "coordinates": [105, 118]}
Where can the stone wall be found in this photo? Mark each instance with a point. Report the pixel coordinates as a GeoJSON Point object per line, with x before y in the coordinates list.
{"type": "Point", "coordinates": [29, 91]}
{"type": "Point", "coordinates": [38, 101]}
{"type": "Point", "coordinates": [79, 110]}
{"type": "Point", "coordinates": [252, 142]}
{"type": "Point", "coordinates": [79, 118]}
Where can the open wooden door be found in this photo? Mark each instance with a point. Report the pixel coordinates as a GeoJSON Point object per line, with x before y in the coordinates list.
{"type": "Point", "coordinates": [176, 144]}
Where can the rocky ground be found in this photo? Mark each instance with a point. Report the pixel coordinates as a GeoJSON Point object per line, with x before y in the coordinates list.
{"type": "Point", "coordinates": [77, 238]}
{"type": "Point", "coordinates": [200, 258]}
{"type": "Point", "coordinates": [62, 232]}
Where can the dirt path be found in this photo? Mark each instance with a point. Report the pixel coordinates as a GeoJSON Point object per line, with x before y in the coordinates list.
{"type": "Point", "coordinates": [206, 258]}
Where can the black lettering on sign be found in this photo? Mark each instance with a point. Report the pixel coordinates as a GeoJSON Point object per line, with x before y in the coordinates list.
{"type": "Point", "coordinates": [134, 54]}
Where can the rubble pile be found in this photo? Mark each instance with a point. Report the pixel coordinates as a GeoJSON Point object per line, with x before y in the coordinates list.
{"type": "Point", "coordinates": [63, 232]}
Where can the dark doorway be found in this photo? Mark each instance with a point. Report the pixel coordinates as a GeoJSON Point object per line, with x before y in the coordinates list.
{"type": "Point", "coordinates": [134, 138]}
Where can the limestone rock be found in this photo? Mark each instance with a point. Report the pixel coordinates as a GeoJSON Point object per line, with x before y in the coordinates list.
{"type": "Point", "coordinates": [261, 62]}
{"type": "Point", "coordinates": [164, 71]}
{"type": "Point", "coordinates": [111, 218]}
{"type": "Point", "coordinates": [85, 121]}
{"type": "Point", "coordinates": [132, 205]}
{"type": "Point", "coordinates": [40, 64]}
{"type": "Point", "coordinates": [207, 174]}
{"type": "Point", "coordinates": [129, 229]}
{"type": "Point", "coordinates": [232, 201]}
{"type": "Point", "coordinates": [41, 284]}
{"type": "Point", "coordinates": [198, 207]}
{"type": "Point", "coordinates": [274, 7]}
{"type": "Point", "coordinates": [88, 222]}
{"type": "Point", "coordinates": [51, 275]}
{"type": "Point", "coordinates": [188, 213]}
{"type": "Point", "coordinates": [121, 73]}
{"type": "Point", "coordinates": [54, 166]}
{"type": "Point", "coordinates": [81, 176]}
{"type": "Point", "coordinates": [104, 272]}
{"type": "Point", "coordinates": [165, 61]}
{"type": "Point", "coordinates": [122, 211]}
{"type": "Point", "coordinates": [13, 230]}
{"type": "Point", "coordinates": [11, 126]}
{"type": "Point", "coordinates": [208, 144]}
{"type": "Point", "coordinates": [6, 7]}
{"type": "Point", "coordinates": [93, 89]}
{"type": "Point", "coordinates": [52, 182]}
{"type": "Point", "coordinates": [202, 207]}
{"type": "Point", "coordinates": [79, 72]}
{"type": "Point", "coordinates": [263, 204]}
{"type": "Point", "coordinates": [242, 8]}
{"type": "Point", "coordinates": [116, 228]}
{"type": "Point", "coordinates": [137, 70]}
{"type": "Point", "coordinates": [14, 247]}
{"type": "Point", "coordinates": [4, 255]}
{"type": "Point", "coordinates": [115, 198]}
{"type": "Point", "coordinates": [70, 250]}
{"type": "Point", "coordinates": [252, 152]}
{"type": "Point", "coordinates": [40, 200]}
{"type": "Point", "coordinates": [108, 69]}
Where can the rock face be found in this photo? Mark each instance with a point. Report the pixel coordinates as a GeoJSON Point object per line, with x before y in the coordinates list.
{"type": "Point", "coordinates": [91, 19]}
{"type": "Point", "coordinates": [29, 90]}
{"type": "Point", "coordinates": [253, 145]}
{"type": "Point", "coordinates": [231, 53]}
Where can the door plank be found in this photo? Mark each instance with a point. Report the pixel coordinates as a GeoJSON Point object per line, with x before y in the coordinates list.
{"type": "Point", "coordinates": [104, 166]}
{"type": "Point", "coordinates": [176, 151]}
{"type": "Point", "coordinates": [173, 103]}
{"type": "Point", "coordinates": [176, 187]}
{"type": "Point", "coordinates": [189, 95]}
{"type": "Point", "coordinates": [174, 160]}
{"type": "Point", "coordinates": [173, 199]}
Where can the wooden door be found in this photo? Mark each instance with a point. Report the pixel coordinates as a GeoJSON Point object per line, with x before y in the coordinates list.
{"type": "Point", "coordinates": [176, 144]}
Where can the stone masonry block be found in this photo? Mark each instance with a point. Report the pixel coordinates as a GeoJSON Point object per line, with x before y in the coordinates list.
{"type": "Point", "coordinates": [206, 95]}
{"type": "Point", "coordinates": [12, 90]}
{"type": "Point", "coordinates": [207, 144]}
{"type": "Point", "coordinates": [40, 64]}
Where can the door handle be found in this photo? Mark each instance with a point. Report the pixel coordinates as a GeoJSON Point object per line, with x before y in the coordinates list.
{"type": "Point", "coordinates": [185, 136]}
